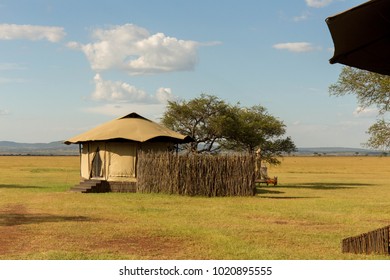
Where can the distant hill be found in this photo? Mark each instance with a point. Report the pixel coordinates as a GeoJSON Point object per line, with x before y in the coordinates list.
{"type": "Point", "coordinates": [58, 148]}
{"type": "Point", "coordinates": [336, 151]}
{"type": "Point", "coordinates": [52, 148]}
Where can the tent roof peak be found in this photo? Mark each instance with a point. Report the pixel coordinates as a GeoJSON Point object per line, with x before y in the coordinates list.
{"type": "Point", "coordinates": [133, 115]}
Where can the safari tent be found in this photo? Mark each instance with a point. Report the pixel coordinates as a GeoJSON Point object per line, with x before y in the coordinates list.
{"type": "Point", "coordinates": [108, 153]}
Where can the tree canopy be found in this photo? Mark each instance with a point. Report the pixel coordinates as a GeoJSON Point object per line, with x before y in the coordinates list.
{"type": "Point", "coordinates": [216, 125]}
{"type": "Point", "coordinates": [371, 89]}
{"type": "Point", "coordinates": [199, 118]}
{"type": "Point", "coordinates": [249, 129]}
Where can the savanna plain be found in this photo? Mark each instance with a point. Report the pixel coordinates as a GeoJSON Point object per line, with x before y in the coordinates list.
{"type": "Point", "coordinates": [318, 202]}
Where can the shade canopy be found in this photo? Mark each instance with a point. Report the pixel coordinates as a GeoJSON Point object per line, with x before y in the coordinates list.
{"type": "Point", "coordinates": [361, 36]}
{"type": "Point", "coordinates": [132, 127]}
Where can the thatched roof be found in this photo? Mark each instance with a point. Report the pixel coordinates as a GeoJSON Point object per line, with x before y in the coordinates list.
{"type": "Point", "coordinates": [132, 127]}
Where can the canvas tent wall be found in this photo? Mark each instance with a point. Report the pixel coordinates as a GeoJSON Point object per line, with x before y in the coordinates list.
{"type": "Point", "coordinates": [109, 151]}
{"type": "Point", "coordinates": [114, 161]}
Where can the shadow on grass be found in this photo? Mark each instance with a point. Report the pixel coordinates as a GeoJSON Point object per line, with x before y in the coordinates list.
{"type": "Point", "coordinates": [264, 193]}
{"type": "Point", "coordinates": [15, 219]}
{"type": "Point", "coordinates": [267, 191]}
{"type": "Point", "coordinates": [326, 186]}
{"type": "Point", "coordinates": [287, 197]}
{"type": "Point", "coordinates": [14, 186]}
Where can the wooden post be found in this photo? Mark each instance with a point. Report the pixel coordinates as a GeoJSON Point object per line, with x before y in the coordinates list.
{"type": "Point", "coordinates": [80, 156]}
{"type": "Point", "coordinates": [258, 164]}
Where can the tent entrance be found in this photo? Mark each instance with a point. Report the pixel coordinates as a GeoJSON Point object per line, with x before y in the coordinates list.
{"type": "Point", "coordinates": [97, 165]}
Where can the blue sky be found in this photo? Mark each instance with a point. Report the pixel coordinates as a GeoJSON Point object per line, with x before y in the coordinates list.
{"type": "Point", "coordinates": [67, 66]}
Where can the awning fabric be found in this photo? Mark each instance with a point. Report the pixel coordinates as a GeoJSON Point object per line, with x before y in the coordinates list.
{"type": "Point", "coordinates": [361, 36]}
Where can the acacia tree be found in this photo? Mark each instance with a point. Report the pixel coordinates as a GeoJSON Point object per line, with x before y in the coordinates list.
{"type": "Point", "coordinates": [199, 118]}
{"type": "Point", "coordinates": [216, 125]}
{"type": "Point", "coordinates": [250, 129]}
{"type": "Point", "coordinates": [371, 89]}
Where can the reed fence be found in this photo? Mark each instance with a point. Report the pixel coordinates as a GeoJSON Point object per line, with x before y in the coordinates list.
{"type": "Point", "coordinates": [203, 175]}
{"type": "Point", "coordinates": [376, 242]}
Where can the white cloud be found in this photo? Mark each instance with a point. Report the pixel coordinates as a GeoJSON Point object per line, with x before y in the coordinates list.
{"type": "Point", "coordinates": [122, 98]}
{"type": "Point", "coordinates": [31, 32]}
{"type": "Point", "coordinates": [117, 91]}
{"type": "Point", "coordinates": [366, 112]}
{"type": "Point", "coordinates": [302, 17]}
{"type": "Point", "coordinates": [163, 95]}
{"type": "Point", "coordinates": [297, 47]}
{"type": "Point", "coordinates": [133, 49]}
{"type": "Point", "coordinates": [318, 3]}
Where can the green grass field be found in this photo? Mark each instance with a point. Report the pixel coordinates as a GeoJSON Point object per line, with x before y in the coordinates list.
{"type": "Point", "coordinates": [319, 201]}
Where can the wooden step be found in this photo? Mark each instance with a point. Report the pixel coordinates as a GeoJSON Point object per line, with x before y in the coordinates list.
{"type": "Point", "coordinates": [87, 186]}
{"type": "Point", "coordinates": [91, 186]}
